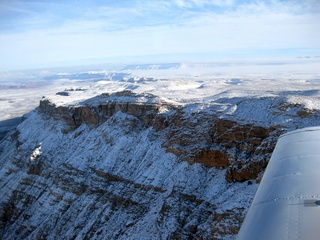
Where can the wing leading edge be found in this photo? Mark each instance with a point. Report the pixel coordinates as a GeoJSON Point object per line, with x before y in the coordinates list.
{"type": "Point", "coordinates": [287, 202]}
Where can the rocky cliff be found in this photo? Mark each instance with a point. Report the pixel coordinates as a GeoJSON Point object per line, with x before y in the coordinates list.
{"type": "Point", "coordinates": [134, 166]}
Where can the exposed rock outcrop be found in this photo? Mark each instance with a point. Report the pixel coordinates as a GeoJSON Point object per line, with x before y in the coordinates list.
{"type": "Point", "coordinates": [243, 149]}
{"type": "Point", "coordinates": [97, 110]}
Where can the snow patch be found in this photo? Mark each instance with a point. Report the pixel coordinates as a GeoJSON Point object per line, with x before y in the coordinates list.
{"type": "Point", "coordinates": [35, 154]}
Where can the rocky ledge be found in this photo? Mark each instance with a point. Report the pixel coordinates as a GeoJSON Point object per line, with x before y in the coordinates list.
{"type": "Point", "coordinates": [98, 109]}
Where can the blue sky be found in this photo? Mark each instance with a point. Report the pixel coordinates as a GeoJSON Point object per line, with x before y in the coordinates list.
{"type": "Point", "coordinates": [36, 33]}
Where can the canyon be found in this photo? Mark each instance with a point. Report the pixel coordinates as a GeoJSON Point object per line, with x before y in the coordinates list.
{"type": "Point", "coordinates": [130, 165]}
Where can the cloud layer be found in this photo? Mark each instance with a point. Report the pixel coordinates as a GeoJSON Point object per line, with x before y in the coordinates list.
{"type": "Point", "coordinates": [53, 32]}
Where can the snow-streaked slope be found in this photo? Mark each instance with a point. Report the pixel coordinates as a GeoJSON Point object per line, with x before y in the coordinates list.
{"type": "Point", "coordinates": [113, 181]}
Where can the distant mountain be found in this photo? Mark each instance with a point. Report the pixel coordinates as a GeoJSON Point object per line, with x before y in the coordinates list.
{"type": "Point", "coordinates": [77, 76]}
{"type": "Point", "coordinates": [158, 66]}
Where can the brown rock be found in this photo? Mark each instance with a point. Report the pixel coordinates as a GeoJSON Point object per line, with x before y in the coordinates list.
{"type": "Point", "coordinates": [101, 110]}
{"type": "Point", "coordinates": [243, 173]}
{"type": "Point", "coordinates": [213, 158]}
{"type": "Point", "coordinates": [241, 148]}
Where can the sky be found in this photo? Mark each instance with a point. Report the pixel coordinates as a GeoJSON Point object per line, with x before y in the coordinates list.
{"type": "Point", "coordinates": [47, 33]}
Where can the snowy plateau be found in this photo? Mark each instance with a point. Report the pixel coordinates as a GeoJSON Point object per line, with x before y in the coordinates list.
{"type": "Point", "coordinates": [146, 152]}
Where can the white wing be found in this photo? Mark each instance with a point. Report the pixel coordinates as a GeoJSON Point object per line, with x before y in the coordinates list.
{"type": "Point", "coordinates": [287, 203]}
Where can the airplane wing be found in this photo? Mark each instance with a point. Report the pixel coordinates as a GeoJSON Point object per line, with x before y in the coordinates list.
{"type": "Point", "coordinates": [287, 202]}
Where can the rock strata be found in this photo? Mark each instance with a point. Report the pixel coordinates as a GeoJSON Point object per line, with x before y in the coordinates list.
{"type": "Point", "coordinates": [97, 110]}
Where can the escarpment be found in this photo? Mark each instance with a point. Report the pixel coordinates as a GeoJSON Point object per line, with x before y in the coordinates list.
{"type": "Point", "coordinates": [241, 148]}
{"type": "Point", "coordinates": [134, 166]}
{"type": "Point", "coordinates": [98, 109]}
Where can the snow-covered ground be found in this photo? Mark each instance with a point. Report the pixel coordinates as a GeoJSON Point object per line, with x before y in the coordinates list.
{"type": "Point", "coordinates": [180, 83]}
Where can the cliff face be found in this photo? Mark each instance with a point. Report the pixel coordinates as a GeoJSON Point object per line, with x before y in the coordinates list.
{"type": "Point", "coordinates": [242, 149]}
{"type": "Point", "coordinates": [97, 110]}
{"type": "Point", "coordinates": [130, 166]}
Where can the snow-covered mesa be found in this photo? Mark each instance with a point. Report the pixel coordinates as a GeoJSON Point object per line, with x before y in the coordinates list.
{"type": "Point", "coordinates": [146, 152]}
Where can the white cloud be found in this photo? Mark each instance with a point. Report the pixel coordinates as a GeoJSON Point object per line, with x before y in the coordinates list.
{"type": "Point", "coordinates": [160, 27]}
{"type": "Point", "coordinates": [216, 2]}
{"type": "Point", "coordinates": [201, 3]}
